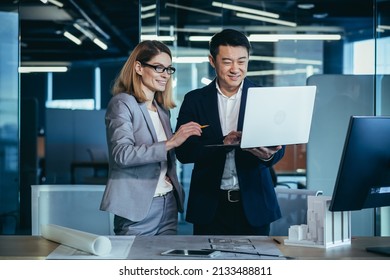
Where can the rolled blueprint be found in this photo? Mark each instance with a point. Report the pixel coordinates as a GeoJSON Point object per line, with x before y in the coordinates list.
{"type": "Point", "coordinates": [88, 242]}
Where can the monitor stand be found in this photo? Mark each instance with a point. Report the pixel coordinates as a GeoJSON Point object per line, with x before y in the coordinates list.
{"type": "Point", "coordinates": [379, 250]}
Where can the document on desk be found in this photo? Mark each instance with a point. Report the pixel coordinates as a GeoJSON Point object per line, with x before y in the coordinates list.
{"type": "Point", "coordinates": [261, 247]}
{"type": "Point", "coordinates": [120, 250]}
{"type": "Point", "coordinates": [239, 244]}
{"type": "Point", "coordinates": [230, 247]}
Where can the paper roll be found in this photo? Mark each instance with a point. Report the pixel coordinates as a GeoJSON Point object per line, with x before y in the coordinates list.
{"type": "Point", "coordinates": [88, 242]}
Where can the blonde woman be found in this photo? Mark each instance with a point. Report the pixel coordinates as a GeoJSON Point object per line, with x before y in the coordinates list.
{"type": "Point", "coordinates": [143, 191]}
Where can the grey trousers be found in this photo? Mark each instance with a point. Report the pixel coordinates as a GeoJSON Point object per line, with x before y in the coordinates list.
{"type": "Point", "coordinates": [161, 219]}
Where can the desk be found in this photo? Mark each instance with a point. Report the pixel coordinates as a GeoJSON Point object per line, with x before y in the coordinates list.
{"type": "Point", "coordinates": [36, 247]}
{"type": "Point", "coordinates": [14, 247]}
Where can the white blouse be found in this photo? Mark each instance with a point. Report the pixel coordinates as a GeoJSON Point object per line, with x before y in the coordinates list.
{"type": "Point", "coordinates": [163, 186]}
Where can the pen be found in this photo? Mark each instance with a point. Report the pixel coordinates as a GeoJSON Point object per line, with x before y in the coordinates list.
{"type": "Point", "coordinates": [277, 241]}
{"type": "Point", "coordinates": [204, 126]}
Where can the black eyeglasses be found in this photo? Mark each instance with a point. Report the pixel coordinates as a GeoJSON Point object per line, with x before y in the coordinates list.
{"type": "Point", "coordinates": [160, 69]}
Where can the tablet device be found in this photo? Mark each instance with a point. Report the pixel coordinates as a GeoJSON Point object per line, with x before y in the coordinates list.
{"type": "Point", "coordinates": [191, 253]}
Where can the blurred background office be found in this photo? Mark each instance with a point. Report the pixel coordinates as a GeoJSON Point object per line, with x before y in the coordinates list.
{"type": "Point", "coordinates": [58, 59]}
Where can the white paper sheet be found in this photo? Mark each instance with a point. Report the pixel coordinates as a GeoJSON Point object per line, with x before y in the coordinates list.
{"type": "Point", "coordinates": [121, 246]}
{"type": "Point", "coordinates": [88, 242]}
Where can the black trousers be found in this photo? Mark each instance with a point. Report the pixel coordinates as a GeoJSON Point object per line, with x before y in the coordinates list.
{"type": "Point", "coordinates": [230, 219]}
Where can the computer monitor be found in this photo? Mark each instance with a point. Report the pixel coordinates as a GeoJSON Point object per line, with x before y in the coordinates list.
{"type": "Point", "coordinates": [363, 179]}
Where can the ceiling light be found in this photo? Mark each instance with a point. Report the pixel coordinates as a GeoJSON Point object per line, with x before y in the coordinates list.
{"type": "Point", "coordinates": [208, 38]}
{"type": "Point", "coordinates": [85, 31]}
{"type": "Point", "coordinates": [148, 8]}
{"type": "Point", "coordinates": [54, 2]}
{"type": "Point", "coordinates": [57, 3]}
{"type": "Point", "coordinates": [100, 43]}
{"type": "Point", "coordinates": [211, 30]}
{"type": "Point", "coordinates": [74, 104]}
{"type": "Point", "coordinates": [192, 9]}
{"type": "Point", "coordinates": [31, 69]}
{"type": "Point", "coordinates": [157, 37]}
{"type": "Point", "coordinates": [272, 59]}
{"type": "Point", "coordinates": [275, 37]}
{"type": "Point", "coordinates": [73, 38]}
{"type": "Point", "coordinates": [91, 36]}
{"type": "Point", "coordinates": [148, 15]}
{"type": "Point", "coordinates": [245, 10]}
{"type": "Point", "coordinates": [320, 16]}
{"type": "Point", "coordinates": [306, 6]}
{"type": "Point", "coordinates": [384, 27]}
{"type": "Point", "coordinates": [261, 37]}
{"type": "Point", "coordinates": [269, 39]}
{"type": "Point", "coordinates": [199, 38]}
{"type": "Point", "coordinates": [271, 20]}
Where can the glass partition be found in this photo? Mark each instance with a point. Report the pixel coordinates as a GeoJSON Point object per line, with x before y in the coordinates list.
{"type": "Point", "coordinates": [9, 121]}
{"type": "Point", "coordinates": [292, 44]}
{"type": "Point", "coordinates": [382, 72]}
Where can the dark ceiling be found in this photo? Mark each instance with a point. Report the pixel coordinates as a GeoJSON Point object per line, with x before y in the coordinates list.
{"type": "Point", "coordinates": [117, 23]}
{"type": "Point", "coordinates": [42, 26]}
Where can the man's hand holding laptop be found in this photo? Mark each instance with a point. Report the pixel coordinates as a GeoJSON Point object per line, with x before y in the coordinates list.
{"type": "Point", "coordinates": [263, 153]}
{"type": "Point", "coordinates": [233, 138]}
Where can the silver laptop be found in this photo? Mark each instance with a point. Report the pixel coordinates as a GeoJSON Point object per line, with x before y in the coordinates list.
{"type": "Point", "coordinates": [277, 116]}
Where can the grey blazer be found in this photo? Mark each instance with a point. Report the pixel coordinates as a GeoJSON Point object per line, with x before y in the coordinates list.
{"type": "Point", "coordinates": [134, 158]}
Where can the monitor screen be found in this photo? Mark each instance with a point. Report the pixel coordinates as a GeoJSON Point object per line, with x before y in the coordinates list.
{"type": "Point", "coordinates": [363, 179]}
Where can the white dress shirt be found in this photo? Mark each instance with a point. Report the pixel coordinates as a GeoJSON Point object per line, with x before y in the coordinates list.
{"type": "Point", "coordinates": [228, 108]}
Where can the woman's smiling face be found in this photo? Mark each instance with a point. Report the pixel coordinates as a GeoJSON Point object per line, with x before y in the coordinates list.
{"type": "Point", "coordinates": [151, 80]}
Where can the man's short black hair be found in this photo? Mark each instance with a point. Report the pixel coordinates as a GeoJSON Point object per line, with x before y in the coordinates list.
{"type": "Point", "coordinates": [228, 37]}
